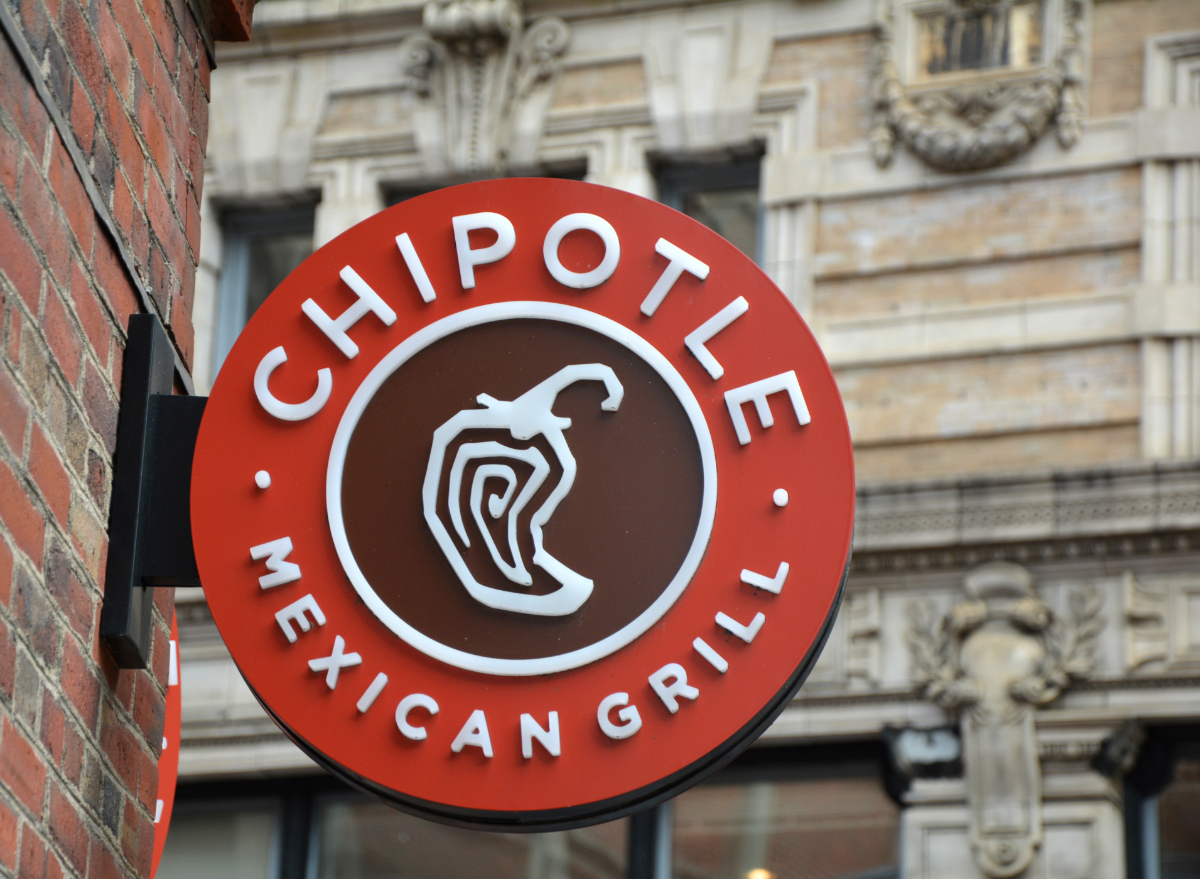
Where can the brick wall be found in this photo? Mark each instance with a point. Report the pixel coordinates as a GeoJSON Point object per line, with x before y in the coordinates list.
{"type": "Point", "coordinates": [79, 739]}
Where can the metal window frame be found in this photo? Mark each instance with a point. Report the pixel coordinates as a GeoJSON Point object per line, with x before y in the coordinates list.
{"type": "Point", "coordinates": [239, 226]}
{"type": "Point", "coordinates": [678, 180]}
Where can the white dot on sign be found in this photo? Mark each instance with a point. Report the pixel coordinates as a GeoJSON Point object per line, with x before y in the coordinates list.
{"type": "Point", "coordinates": [262, 479]}
{"type": "Point", "coordinates": [780, 497]}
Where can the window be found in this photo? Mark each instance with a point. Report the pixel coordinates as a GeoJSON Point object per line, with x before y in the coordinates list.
{"type": "Point", "coordinates": [1179, 821]}
{"type": "Point", "coordinates": [806, 812]}
{"type": "Point", "coordinates": [975, 38]}
{"type": "Point", "coordinates": [834, 821]}
{"type": "Point", "coordinates": [362, 839]}
{"type": "Point", "coordinates": [238, 840]}
{"type": "Point", "coordinates": [724, 197]}
{"type": "Point", "coordinates": [262, 247]}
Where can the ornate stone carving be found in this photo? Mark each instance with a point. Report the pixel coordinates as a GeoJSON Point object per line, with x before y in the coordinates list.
{"type": "Point", "coordinates": [990, 660]}
{"type": "Point", "coordinates": [473, 71]}
{"type": "Point", "coordinates": [969, 127]}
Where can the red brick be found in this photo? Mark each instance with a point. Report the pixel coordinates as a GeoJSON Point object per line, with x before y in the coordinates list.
{"type": "Point", "coordinates": [122, 204]}
{"type": "Point", "coordinates": [36, 618]}
{"type": "Point", "coordinates": [115, 50]}
{"type": "Point", "coordinates": [163, 27]}
{"type": "Point", "coordinates": [114, 283]}
{"type": "Point", "coordinates": [100, 407]}
{"type": "Point", "coordinates": [83, 48]}
{"type": "Point", "coordinates": [181, 329]}
{"type": "Point", "coordinates": [130, 159]}
{"type": "Point", "coordinates": [162, 218]}
{"type": "Point", "coordinates": [91, 315]}
{"type": "Point", "coordinates": [118, 743]}
{"type": "Point", "coordinates": [72, 197]}
{"type": "Point", "coordinates": [72, 762]}
{"type": "Point", "coordinates": [21, 101]}
{"type": "Point", "coordinates": [90, 540]}
{"type": "Point", "coordinates": [21, 770]}
{"type": "Point", "coordinates": [42, 220]}
{"type": "Point", "coordinates": [129, 15]}
{"type": "Point", "coordinates": [62, 336]}
{"type": "Point", "coordinates": [22, 518]}
{"type": "Point", "coordinates": [154, 130]}
{"type": "Point", "coordinates": [79, 684]}
{"type": "Point", "coordinates": [10, 164]}
{"type": "Point", "coordinates": [139, 237]}
{"type": "Point", "coordinates": [149, 711]}
{"type": "Point", "coordinates": [50, 476]}
{"type": "Point", "coordinates": [83, 116]}
{"type": "Point", "coordinates": [6, 573]}
{"type": "Point", "coordinates": [8, 837]}
{"type": "Point", "coordinates": [191, 208]}
{"type": "Point", "coordinates": [18, 261]}
{"type": "Point", "coordinates": [205, 73]}
{"type": "Point", "coordinates": [148, 783]}
{"type": "Point", "coordinates": [75, 600]}
{"type": "Point", "coordinates": [32, 857]}
{"type": "Point", "coordinates": [52, 728]}
{"type": "Point", "coordinates": [123, 690]}
{"type": "Point", "coordinates": [101, 862]}
{"type": "Point", "coordinates": [145, 854]}
{"type": "Point", "coordinates": [13, 414]}
{"type": "Point", "coordinates": [67, 829]}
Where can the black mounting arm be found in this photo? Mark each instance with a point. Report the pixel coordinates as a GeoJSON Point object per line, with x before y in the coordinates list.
{"type": "Point", "coordinates": [150, 521]}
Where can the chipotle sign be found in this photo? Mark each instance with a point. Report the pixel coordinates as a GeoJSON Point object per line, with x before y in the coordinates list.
{"type": "Point", "coordinates": [524, 504]}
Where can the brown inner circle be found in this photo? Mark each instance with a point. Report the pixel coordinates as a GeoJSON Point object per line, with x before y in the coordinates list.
{"type": "Point", "coordinates": [627, 523]}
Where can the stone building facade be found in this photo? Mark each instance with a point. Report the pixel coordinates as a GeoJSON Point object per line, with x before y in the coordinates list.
{"type": "Point", "coordinates": [103, 126]}
{"type": "Point", "coordinates": [989, 213]}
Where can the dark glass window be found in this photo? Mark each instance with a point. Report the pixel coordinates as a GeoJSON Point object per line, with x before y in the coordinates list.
{"type": "Point", "coordinates": [1179, 822]}
{"type": "Point", "coordinates": [1004, 35]}
{"type": "Point", "coordinates": [724, 197]}
{"type": "Point", "coordinates": [261, 248]}
{"type": "Point", "coordinates": [816, 828]}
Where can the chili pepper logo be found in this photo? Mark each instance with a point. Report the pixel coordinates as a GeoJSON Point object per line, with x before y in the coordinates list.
{"type": "Point", "coordinates": [528, 416]}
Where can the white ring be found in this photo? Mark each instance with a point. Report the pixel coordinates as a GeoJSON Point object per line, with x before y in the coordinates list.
{"type": "Point", "coordinates": [598, 275]}
{"type": "Point", "coordinates": [483, 314]}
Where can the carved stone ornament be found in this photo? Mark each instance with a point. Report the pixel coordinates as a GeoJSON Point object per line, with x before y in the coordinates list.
{"type": "Point", "coordinates": [976, 125]}
{"type": "Point", "coordinates": [990, 660]}
{"type": "Point", "coordinates": [473, 70]}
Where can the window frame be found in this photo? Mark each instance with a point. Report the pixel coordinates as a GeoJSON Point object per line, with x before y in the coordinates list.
{"type": "Point", "coordinates": [677, 180]}
{"type": "Point", "coordinates": [239, 226]}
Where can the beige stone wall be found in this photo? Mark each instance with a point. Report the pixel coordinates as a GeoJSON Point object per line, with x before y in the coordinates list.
{"type": "Point", "coordinates": [1119, 32]}
{"type": "Point", "coordinates": [840, 65]}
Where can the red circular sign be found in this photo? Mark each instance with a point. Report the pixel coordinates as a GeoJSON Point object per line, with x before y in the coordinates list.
{"type": "Point", "coordinates": [524, 504]}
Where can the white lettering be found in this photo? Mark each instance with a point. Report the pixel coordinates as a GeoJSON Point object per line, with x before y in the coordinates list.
{"type": "Point", "coordinates": [275, 552]}
{"type": "Point", "coordinates": [475, 734]}
{"type": "Point", "coordinates": [289, 411]}
{"type": "Point", "coordinates": [294, 613]}
{"type": "Point", "coordinates": [506, 239]}
{"type": "Point", "coordinates": [757, 393]}
{"type": "Point", "coordinates": [771, 584]}
{"type": "Point", "coordinates": [679, 263]}
{"type": "Point", "coordinates": [407, 704]}
{"type": "Point", "coordinates": [677, 687]}
{"type": "Point", "coordinates": [733, 627]}
{"type": "Point", "coordinates": [698, 338]}
{"type": "Point", "coordinates": [415, 268]}
{"type": "Point", "coordinates": [632, 720]}
{"type": "Point", "coordinates": [531, 729]}
{"type": "Point", "coordinates": [598, 275]}
{"type": "Point", "coordinates": [335, 662]}
{"type": "Point", "coordinates": [335, 330]}
{"type": "Point", "coordinates": [372, 693]}
{"type": "Point", "coordinates": [715, 659]}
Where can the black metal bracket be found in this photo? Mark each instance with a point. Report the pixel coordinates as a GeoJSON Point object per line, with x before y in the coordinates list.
{"type": "Point", "coordinates": [150, 521]}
